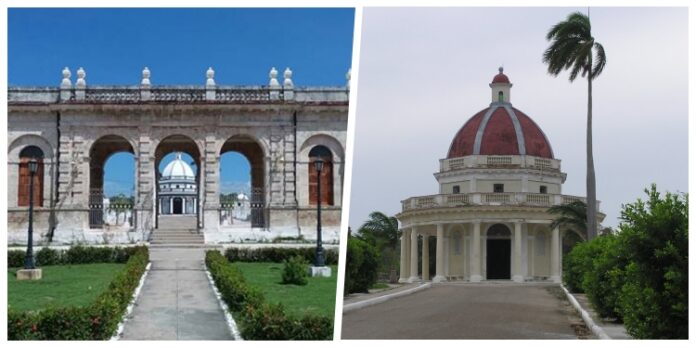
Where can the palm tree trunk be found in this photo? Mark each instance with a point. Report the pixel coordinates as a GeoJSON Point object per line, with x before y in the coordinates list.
{"type": "Point", "coordinates": [591, 184]}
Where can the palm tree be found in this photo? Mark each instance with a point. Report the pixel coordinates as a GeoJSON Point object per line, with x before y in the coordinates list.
{"type": "Point", "coordinates": [573, 48]}
{"type": "Point", "coordinates": [382, 231]}
{"type": "Point", "coordinates": [571, 215]}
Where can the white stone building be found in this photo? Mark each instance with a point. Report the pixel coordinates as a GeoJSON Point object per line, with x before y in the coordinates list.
{"type": "Point", "coordinates": [490, 218]}
{"type": "Point", "coordinates": [73, 129]}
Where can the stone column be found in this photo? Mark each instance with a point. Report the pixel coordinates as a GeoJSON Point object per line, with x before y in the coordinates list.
{"type": "Point", "coordinates": [426, 259]}
{"type": "Point", "coordinates": [555, 255]}
{"type": "Point", "coordinates": [517, 254]}
{"type": "Point", "coordinates": [439, 254]}
{"type": "Point", "coordinates": [414, 256]}
{"type": "Point", "coordinates": [476, 253]}
{"type": "Point", "coordinates": [209, 189]}
{"type": "Point", "coordinates": [403, 266]}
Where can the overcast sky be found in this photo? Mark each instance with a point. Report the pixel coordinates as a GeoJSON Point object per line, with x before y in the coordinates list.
{"type": "Point", "coordinates": [424, 72]}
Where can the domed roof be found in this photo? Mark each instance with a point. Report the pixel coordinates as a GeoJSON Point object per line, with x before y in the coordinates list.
{"type": "Point", "coordinates": [500, 78]}
{"type": "Point", "coordinates": [500, 129]}
{"type": "Point", "coordinates": [178, 169]}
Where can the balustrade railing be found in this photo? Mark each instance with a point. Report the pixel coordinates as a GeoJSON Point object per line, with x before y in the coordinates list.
{"type": "Point", "coordinates": [488, 198]}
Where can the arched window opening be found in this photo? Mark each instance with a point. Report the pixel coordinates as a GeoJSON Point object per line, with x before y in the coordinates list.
{"type": "Point", "coordinates": [28, 153]}
{"type": "Point", "coordinates": [323, 153]}
{"type": "Point", "coordinates": [235, 189]}
{"type": "Point", "coordinates": [501, 98]}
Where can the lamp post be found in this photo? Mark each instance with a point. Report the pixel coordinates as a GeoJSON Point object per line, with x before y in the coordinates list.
{"type": "Point", "coordinates": [319, 262]}
{"type": "Point", "coordinates": [29, 258]}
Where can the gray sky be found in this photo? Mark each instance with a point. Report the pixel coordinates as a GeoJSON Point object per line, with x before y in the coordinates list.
{"type": "Point", "coordinates": [424, 72]}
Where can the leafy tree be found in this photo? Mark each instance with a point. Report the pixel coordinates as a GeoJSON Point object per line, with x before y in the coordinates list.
{"type": "Point", "coordinates": [571, 216]}
{"type": "Point", "coordinates": [362, 261]}
{"type": "Point", "coordinates": [382, 231]}
{"type": "Point", "coordinates": [573, 47]}
{"type": "Point", "coordinates": [654, 238]}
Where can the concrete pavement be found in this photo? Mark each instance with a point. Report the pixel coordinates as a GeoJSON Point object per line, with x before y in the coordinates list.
{"type": "Point", "coordinates": [467, 311]}
{"type": "Point", "coordinates": [176, 301]}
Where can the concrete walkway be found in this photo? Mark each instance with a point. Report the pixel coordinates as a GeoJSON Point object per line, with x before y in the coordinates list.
{"type": "Point", "coordinates": [176, 301]}
{"type": "Point", "coordinates": [467, 311]}
{"type": "Point", "coordinates": [614, 330]}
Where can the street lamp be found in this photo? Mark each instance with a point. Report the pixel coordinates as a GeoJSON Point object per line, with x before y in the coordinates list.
{"type": "Point", "coordinates": [319, 262]}
{"type": "Point", "coordinates": [29, 258]}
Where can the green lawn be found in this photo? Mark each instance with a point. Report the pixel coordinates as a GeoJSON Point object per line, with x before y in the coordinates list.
{"type": "Point", "coordinates": [317, 297]}
{"type": "Point", "coordinates": [60, 286]}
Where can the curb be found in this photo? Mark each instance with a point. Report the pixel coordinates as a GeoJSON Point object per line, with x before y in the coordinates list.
{"type": "Point", "coordinates": [596, 329]}
{"type": "Point", "coordinates": [231, 324]}
{"type": "Point", "coordinates": [380, 299]}
{"type": "Point", "coordinates": [129, 309]}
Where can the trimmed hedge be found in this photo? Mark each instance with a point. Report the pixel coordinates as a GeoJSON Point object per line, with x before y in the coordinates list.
{"type": "Point", "coordinates": [75, 255]}
{"type": "Point", "coordinates": [99, 320]}
{"type": "Point", "coordinates": [257, 319]}
{"type": "Point", "coordinates": [278, 255]}
{"type": "Point", "coordinates": [362, 263]}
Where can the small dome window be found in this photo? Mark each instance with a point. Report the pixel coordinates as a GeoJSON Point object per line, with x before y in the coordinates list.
{"type": "Point", "coordinates": [501, 97]}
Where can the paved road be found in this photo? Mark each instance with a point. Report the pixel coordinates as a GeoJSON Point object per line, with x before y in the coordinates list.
{"type": "Point", "coordinates": [176, 301]}
{"type": "Point", "coordinates": [456, 311]}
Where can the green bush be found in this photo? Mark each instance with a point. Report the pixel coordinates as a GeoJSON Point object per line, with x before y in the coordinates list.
{"type": "Point", "coordinates": [654, 238]}
{"type": "Point", "coordinates": [259, 320]}
{"type": "Point", "coordinates": [362, 263]}
{"type": "Point", "coordinates": [295, 271]}
{"type": "Point", "coordinates": [275, 254]}
{"type": "Point", "coordinates": [15, 258]}
{"type": "Point", "coordinates": [602, 283]}
{"type": "Point", "coordinates": [98, 321]}
{"type": "Point", "coordinates": [48, 256]}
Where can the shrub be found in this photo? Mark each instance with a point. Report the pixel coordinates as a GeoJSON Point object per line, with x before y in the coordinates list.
{"type": "Point", "coordinates": [295, 271]}
{"type": "Point", "coordinates": [48, 256]}
{"type": "Point", "coordinates": [275, 254]}
{"type": "Point", "coordinates": [602, 282]}
{"type": "Point", "coordinates": [98, 321]}
{"type": "Point", "coordinates": [15, 258]}
{"type": "Point", "coordinates": [654, 237]}
{"type": "Point", "coordinates": [362, 263]}
{"type": "Point", "coordinates": [257, 319]}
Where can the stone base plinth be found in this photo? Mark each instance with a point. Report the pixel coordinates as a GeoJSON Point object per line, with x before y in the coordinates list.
{"type": "Point", "coordinates": [29, 274]}
{"type": "Point", "coordinates": [324, 271]}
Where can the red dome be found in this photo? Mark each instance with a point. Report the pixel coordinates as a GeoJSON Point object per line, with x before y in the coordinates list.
{"type": "Point", "coordinates": [500, 130]}
{"type": "Point", "coordinates": [501, 78]}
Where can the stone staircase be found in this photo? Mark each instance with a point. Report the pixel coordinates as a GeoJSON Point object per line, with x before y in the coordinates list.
{"type": "Point", "coordinates": [177, 231]}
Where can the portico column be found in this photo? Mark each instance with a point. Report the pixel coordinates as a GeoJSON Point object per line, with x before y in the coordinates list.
{"type": "Point", "coordinates": [517, 255]}
{"type": "Point", "coordinates": [440, 250]}
{"type": "Point", "coordinates": [476, 253]}
{"type": "Point", "coordinates": [403, 270]}
{"type": "Point", "coordinates": [426, 259]}
{"type": "Point", "coordinates": [171, 205]}
{"type": "Point", "coordinates": [414, 256]}
{"type": "Point", "coordinates": [555, 255]}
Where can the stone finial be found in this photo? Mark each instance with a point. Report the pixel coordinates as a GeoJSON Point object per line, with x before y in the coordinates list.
{"type": "Point", "coordinates": [210, 74]}
{"type": "Point", "coordinates": [287, 83]}
{"type": "Point", "coordinates": [273, 75]}
{"type": "Point", "coordinates": [348, 76]}
{"type": "Point", "coordinates": [145, 82]}
{"type": "Point", "coordinates": [81, 83]}
{"type": "Point", "coordinates": [65, 83]}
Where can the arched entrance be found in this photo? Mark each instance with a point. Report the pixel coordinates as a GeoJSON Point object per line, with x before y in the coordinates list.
{"type": "Point", "coordinates": [498, 248]}
{"type": "Point", "coordinates": [254, 154]}
{"type": "Point", "coordinates": [172, 147]}
{"type": "Point", "coordinates": [101, 151]}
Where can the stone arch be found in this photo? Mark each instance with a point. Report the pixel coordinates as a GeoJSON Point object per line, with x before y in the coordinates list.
{"type": "Point", "coordinates": [305, 176]}
{"type": "Point", "coordinates": [47, 169]}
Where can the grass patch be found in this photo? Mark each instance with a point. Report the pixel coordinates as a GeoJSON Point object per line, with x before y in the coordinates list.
{"type": "Point", "coordinates": [380, 286]}
{"type": "Point", "coordinates": [60, 286]}
{"type": "Point", "coordinates": [317, 297]}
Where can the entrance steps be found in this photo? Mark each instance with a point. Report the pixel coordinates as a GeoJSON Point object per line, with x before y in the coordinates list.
{"type": "Point", "coordinates": [177, 231]}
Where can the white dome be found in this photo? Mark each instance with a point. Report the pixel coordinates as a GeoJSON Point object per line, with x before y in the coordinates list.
{"type": "Point", "coordinates": [178, 169]}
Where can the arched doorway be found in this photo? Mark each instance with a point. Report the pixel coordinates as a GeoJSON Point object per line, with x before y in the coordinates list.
{"type": "Point", "coordinates": [178, 194]}
{"type": "Point", "coordinates": [498, 248]}
{"type": "Point", "coordinates": [27, 154]}
{"type": "Point", "coordinates": [249, 149]}
{"type": "Point", "coordinates": [323, 153]}
{"type": "Point", "coordinates": [103, 187]}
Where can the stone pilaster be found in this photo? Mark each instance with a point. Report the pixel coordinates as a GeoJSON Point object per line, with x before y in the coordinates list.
{"type": "Point", "coordinates": [145, 184]}
{"type": "Point", "coordinates": [555, 255]}
{"type": "Point", "coordinates": [440, 255]}
{"type": "Point", "coordinates": [517, 254]}
{"type": "Point", "coordinates": [476, 252]}
{"type": "Point", "coordinates": [211, 192]}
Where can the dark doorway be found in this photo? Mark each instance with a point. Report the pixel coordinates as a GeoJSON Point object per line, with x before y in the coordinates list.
{"type": "Point", "coordinates": [498, 259]}
{"type": "Point", "coordinates": [178, 205]}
